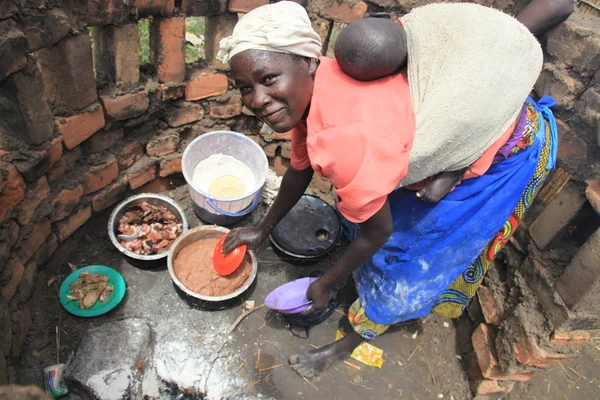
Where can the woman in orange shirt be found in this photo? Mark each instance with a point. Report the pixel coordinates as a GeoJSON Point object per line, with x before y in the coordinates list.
{"type": "Point", "coordinates": [408, 256]}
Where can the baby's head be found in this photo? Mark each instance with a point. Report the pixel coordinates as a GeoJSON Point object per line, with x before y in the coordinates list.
{"type": "Point", "coordinates": [362, 49]}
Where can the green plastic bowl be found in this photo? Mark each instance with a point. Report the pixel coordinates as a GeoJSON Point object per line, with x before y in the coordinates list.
{"type": "Point", "coordinates": [115, 279]}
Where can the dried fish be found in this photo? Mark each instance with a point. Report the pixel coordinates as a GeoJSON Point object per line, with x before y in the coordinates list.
{"type": "Point", "coordinates": [89, 288]}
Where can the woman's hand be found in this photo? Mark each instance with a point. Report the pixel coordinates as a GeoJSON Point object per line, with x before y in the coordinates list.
{"type": "Point", "coordinates": [320, 294]}
{"type": "Point", "coordinates": [251, 236]}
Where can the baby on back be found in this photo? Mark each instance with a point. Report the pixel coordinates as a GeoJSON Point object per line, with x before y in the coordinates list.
{"type": "Point", "coordinates": [374, 48]}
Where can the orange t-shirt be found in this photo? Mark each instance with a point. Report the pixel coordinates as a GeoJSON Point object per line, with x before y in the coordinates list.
{"type": "Point", "coordinates": [359, 135]}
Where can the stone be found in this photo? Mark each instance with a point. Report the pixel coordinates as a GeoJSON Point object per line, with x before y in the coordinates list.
{"type": "Point", "coordinates": [103, 140]}
{"type": "Point", "coordinates": [13, 47]}
{"type": "Point", "coordinates": [35, 196]}
{"type": "Point", "coordinates": [184, 113]}
{"type": "Point", "coordinates": [271, 149]}
{"type": "Point", "coordinates": [109, 196]}
{"type": "Point", "coordinates": [167, 48]}
{"type": "Point", "coordinates": [69, 225]}
{"type": "Point", "coordinates": [581, 279]}
{"type": "Point", "coordinates": [170, 167]}
{"type": "Point", "coordinates": [218, 28]}
{"type": "Point", "coordinates": [163, 145]}
{"type": "Point", "coordinates": [131, 153]}
{"type": "Point", "coordinates": [171, 91]}
{"type": "Point", "coordinates": [47, 31]}
{"type": "Point", "coordinates": [5, 328]}
{"type": "Point", "coordinates": [206, 85]}
{"type": "Point", "coordinates": [78, 128]}
{"type": "Point", "coordinates": [26, 115]}
{"type": "Point", "coordinates": [286, 150]}
{"type": "Point", "coordinates": [100, 176]}
{"type": "Point", "coordinates": [116, 55]}
{"type": "Point", "coordinates": [141, 177]}
{"type": "Point", "coordinates": [13, 191]}
{"type": "Point", "coordinates": [117, 349]}
{"type": "Point", "coordinates": [559, 84]}
{"type": "Point", "coordinates": [557, 216]}
{"type": "Point", "coordinates": [65, 202]}
{"type": "Point", "coordinates": [127, 106]}
{"type": "Point", "coordinates": [68, 72]}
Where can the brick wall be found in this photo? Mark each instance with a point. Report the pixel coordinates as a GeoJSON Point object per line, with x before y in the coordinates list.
{"type": "Point", "coordinates": [83, 124]}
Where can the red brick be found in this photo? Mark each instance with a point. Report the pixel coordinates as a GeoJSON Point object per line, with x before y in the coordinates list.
{"type": "Point", "coordinates": [116, 55]}
{"type": "Point", "coordinates": [206, 85]}
{"type": "Point", "coordinates": [105, 12]}
{"type": "Point", "coordinates": [21, 325]}
{"type": "Point", "coordinates": [23, 99]}
{"type": "Point", "coordinates": [140, 178]}
{"type": "Point", "coordinates": [103, 140]}
{"type": "Point", "coordinates": [32, 242]}
{"type": "Point", "coordinates": [321, 184]}
{"type": "Point", "coordinates": [126, 106]}
{"type": "Point", "coordinates": [218, 28]}
{"type": "Point", "coordinates": [28, 281]}
{"type": "Point", "coordinates": [483, 343]}
{"type": "Point", "coordinates": [68, 72]}
{"type": "Point", "coordinates": [571, 338]}
{"type": "Point", "coordinates": [34, 197]}
{"type": "Point", "coordinates": [66, 163]}
{"type": "Point", "coordinates": [65, 202]}
{"type": "Point", "coordinates": [203, 8]}
{"type": "Point", "coordinates": [489, 306]}
{"type": "Point", "coordinates": [167, 48]}
{"type": "Point", "coordinates": [163, 8]}
{"type": "Point", "coordinates": [78, 128]}
{"type": "Point", "coordinates": [232, 108]}
{"type": "Point", "coordinates": [592, 192]}
{"type": "Point", "coordinates": [14, 188]}
{"type": "Point", "coordinates": [185, 113]}
{"type": "Point", "coordinates": [69, 225]}
{"type": "Point", "coordinates": [481, 386]}
{"type": "Point", "coordinates": [131, 153]}
{"type": "Point", "coordinates": [170, 167]}
{"type": "Point", "coordinates": [171, 91]}
{"type": "Point", "coordinates": [163, 145]}
{"type": "Point", "coordinates": [9, 290]}
{"type": "Point", "coordinates": [13, 47]}
{"type": "Point", "coordinates": [100, 176]}
{"type": "Point", "coordinates": [557, 215]}
{"type": "Point", "coordinates": [528, 352]}
{"type": "Point", "coordinates": [157, 185]}
{"type": "Point", "coordinates": [572, 150]}
{"type": "Point", "coordinates": [245, 6]}
{"type": "Point", "coordinates": [280, 165]}
{"type": "Point", "coordinates": [34, 166]}
{"type": "Point", "coordinates": [109, 196]}
{"type": "Point", "coordinates": [580, 282]}
{"type": "Point", "coordinates": [271, 149]}
{"type": "Point", "coordinates": [46, 250]}
{"type": "Point", "coordinates": [47, 31]}
{"type": "Point", "coordinates": [56, 150]}
{"type": "Point", "coordinates": [342, 12]}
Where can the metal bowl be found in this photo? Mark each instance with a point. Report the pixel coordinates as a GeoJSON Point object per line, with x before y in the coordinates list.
{"type": "Point", "coordinates": [199, 233]}
{"type": "Point", "coordinates": [138, 260]}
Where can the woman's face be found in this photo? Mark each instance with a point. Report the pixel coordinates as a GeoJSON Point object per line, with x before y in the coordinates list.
{"type": "Point", "coordinates": [276, 87]}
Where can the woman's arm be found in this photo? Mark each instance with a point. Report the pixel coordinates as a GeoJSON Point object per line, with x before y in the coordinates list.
{"type": "Point", "coordinates": [374, 232]}
{"type": "Point", "coordinates": [541, 15]}
{"type": "Point", "coordinates": [293, 185]}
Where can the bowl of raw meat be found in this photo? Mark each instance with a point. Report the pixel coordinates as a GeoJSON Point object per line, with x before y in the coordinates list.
{"type": "Point", "coordinates": [145, 226]}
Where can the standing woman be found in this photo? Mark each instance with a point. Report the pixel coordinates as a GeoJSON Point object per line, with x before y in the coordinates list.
{"type": "Point", "coordinates": [454, 99]}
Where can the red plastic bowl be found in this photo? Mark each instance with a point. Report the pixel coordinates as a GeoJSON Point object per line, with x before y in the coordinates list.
{"type": "Point", "coordinates": [226, 265]}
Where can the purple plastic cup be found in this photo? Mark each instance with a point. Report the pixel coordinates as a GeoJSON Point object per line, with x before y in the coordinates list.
{"type": "Point", "coordinates": [290, 298]}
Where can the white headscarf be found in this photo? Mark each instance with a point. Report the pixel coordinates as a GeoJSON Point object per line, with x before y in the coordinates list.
{"type": "Point", "coordinates": [282, 27]}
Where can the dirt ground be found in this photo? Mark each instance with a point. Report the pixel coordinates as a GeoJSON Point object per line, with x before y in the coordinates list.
{"type": "Point", "coordinates": [422, 363]}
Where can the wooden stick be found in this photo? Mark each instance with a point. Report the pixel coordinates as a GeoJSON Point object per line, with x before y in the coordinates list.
{"type": "Point", "coordinates": [270, 368]}
{"type": "Point", "coordinates": [245, 386]}
{"type": "Point", "coordinates": [572, 385]}
{"type": "Point", "coordinates": [428, 367]}
{"type": "Point", "coordinates": [240, 318]}
{"type": "Point", "coordinates": [352, 365]}
{"type": "Point", "coordinates": [257, 357]}
{"type": "Point", "coordinates": [575, 372]}
{"type": "Point", "coordinates": [413, 353]}
{"type": "Point", "coordinates": [307, 381]}
{"type": "Point", "coordinates": [57, 346]}
{"type": "Point", "coordinates": [564, 370]}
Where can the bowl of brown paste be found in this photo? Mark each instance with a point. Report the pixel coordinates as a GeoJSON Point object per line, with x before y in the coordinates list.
{"type": "Point", "coordinates": [191, 268]}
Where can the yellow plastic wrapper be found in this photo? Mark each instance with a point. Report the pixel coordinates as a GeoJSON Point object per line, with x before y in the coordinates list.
{"type": "Point", "coordinates": [365, 353]}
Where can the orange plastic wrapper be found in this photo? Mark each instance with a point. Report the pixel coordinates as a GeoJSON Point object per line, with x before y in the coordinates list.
{"type": "Point", "coordinates": [365, 353]}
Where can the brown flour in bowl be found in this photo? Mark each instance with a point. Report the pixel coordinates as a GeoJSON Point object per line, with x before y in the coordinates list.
{"type": "Point", "coordinates": [193, 267]}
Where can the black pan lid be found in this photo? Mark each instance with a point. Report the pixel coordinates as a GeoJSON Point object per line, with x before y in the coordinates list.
{"type": "Point", "coordinates": [309, 230]}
